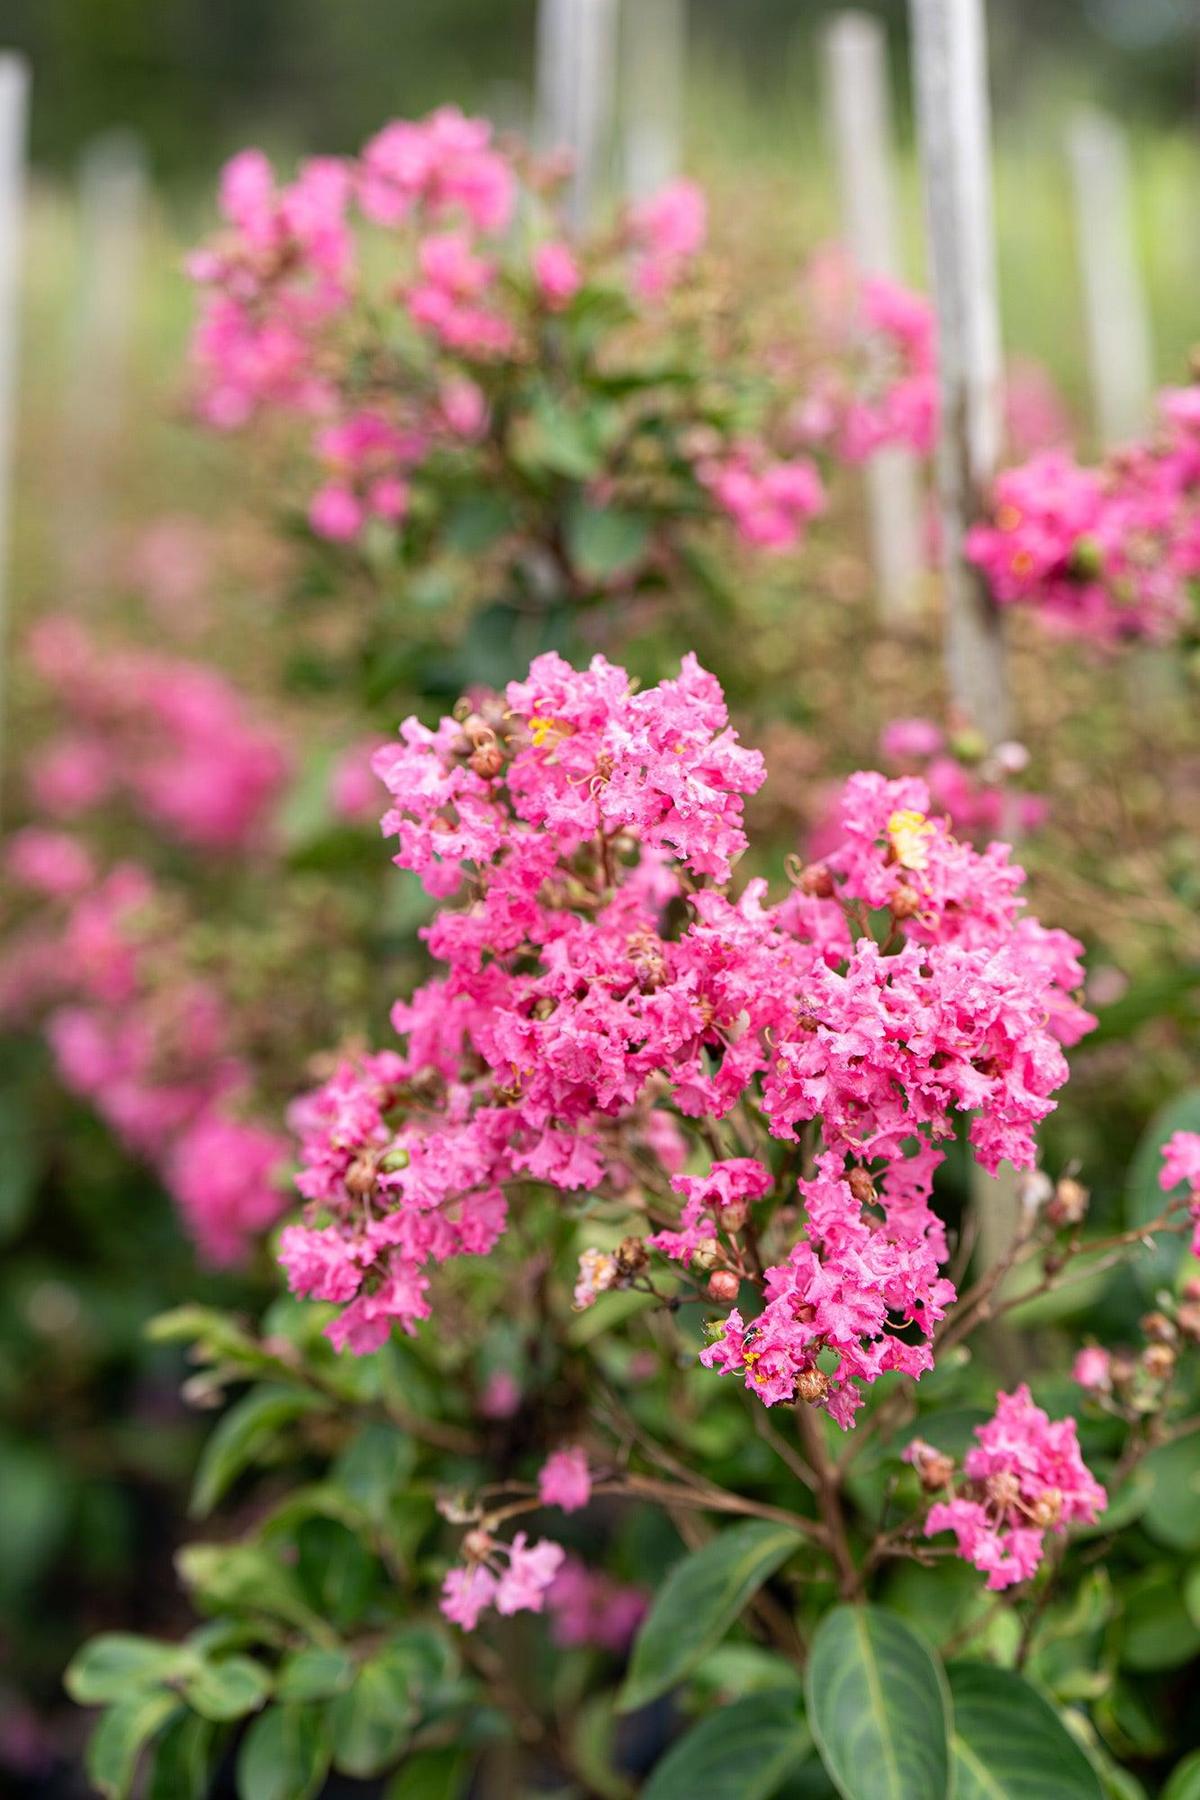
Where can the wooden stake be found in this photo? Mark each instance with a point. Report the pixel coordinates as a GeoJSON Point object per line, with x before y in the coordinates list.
{"type": "Point", "coordinates": [14, 113]}
{"type": "Point", "coordinates": [860, 132]}
{"type": "Point", "coordinates": [1114, 299]}
{"type": "Point", "coordinates": [113, 207]}
{"type": "Point", "coordinates": [950, 84]}
{"type": "Point", "coordinates": [575, 80]}
{"type": "Point", "coordinates": [653, 65]}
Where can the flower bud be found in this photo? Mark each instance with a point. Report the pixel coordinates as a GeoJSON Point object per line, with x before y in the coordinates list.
{"type": "Point", "coordinates": [360, 1177]}
{"type": "Point", "coordinates": [861, 1185]}
{"type": "Point", "coordinates": [392, 1161]}
{"type": "Point", "coordinates": [723, 1285]}
{"type": "Point", "coordinates": [1123, 1368]}
{"type": "Point", "coordinates": [476, 1545]}
{"type": "Point", "coordinates": [1159, 1329]}
{"type": "Point", "coordinates": [812, 1385]}
{"type": "Point", "coordinates": [1188, 1320]}
{"type": "Point", "coordinates": [1070, 1203]}
{"type": "Point", "coordinates": [732, 1216]}
{"type": "Point", "coordinates": [706, 1255]}
{"type": "Point", "coordinates": [487, 761]}
{"type": "Point", "coordinates": [816, 881]}
{"type": "Point", "coordinates": [935, 1470]}
{"type": "Point", "coordinates": [905, 903]}
{"type": "Point", "coordinates": [631, 1255]}
{"type": "Point", "coordinates": [1047, 1508]}
{"type": "Point", "coordinates": [1191, 1288]}
{"type": "Point", "coordinates": [1158, 1360]}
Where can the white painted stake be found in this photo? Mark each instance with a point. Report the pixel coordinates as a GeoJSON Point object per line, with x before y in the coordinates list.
{"type": "Point", "coordinates": [949, 49]}
{"type": "Point", "coordinates": [14, 113]}
{"type": "Point", "coordinates": [113, 211]}
{"type": "Point", "coordinates": [950, 82]}
{"type": "Point", "coordinates": [653, 65]}
{"type": "Point", "coordinates": [577, 48]}
{"type": "Point", "coordinates": [1120, 352]}
{"type": "Point", "coordinates": [861, 136]}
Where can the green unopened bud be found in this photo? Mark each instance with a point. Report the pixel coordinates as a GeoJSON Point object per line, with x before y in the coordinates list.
{"type": "Point", "coordinates": [393, 1161]}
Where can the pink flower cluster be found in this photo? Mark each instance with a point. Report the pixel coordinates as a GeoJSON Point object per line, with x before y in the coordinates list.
{"type": "Point", "coordinates": [511, 1577]}
{"type": "Point", "coordinates": [1025, 1477]}
{"type": "Point", "coordinates": [170, 737]}
{"type": "Point", "coordinates": [976, 796]}
{"type": "Point", "coordinates": [1104, 552]}
{"type": "Point", "coordinates": [289, 304]}
{"type": "Point", "coordinates": [771, 502]}
{"type": "Point", "coordinates": [1181, 1168]}
{"type": "Point", "coordinates": [877, 381]}
{"type": "Point", "coordinates": [588, 1607]}
{"type": "Point", "coordinates": [149, 1046]}
{"type": "Point", "coordinates": [576, 1029]}
{"type": "Point", "coordinates": [565, 1480]}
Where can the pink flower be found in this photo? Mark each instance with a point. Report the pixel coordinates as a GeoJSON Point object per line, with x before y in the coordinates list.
{"type": "Point", "coordinates": [511, 1577]}
{"type": "Point", "coordinates": [565, 1481]}
{"type": "Point", "coordinates": [335, 513]}
{"type": "Point", "coordinates": [668, 231]}
{"type": "Point", "coordinates": [557, 274]}
{"type": "Point", "coordinates": [1026, 1477]}
{"type": "Point", "coordinates": [1092, 1369]}
{"type": "Point", "coordinates": [1181, 1167]}
{"type": "Point", "coordinates": [225, 1177]}
{"type": "Point", "coordinates": [48, 862]}
{"type": "Point", "coordinates": [589, 1607]}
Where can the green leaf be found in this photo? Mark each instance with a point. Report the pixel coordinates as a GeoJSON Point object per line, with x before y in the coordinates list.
{"type": "Point", "coordinates": [338, 1575]}
{"type": "Point", "coordinates": [227, 1690]}
{"type": "Point", "coordinates": [120, 1738]}
{"type": "Point", "coordinates": [244, 1432]}
{"type": "Point", "coordinates": [1144, 1198]}
{"type": "Point", "coordinates": [315, 1675]}
{"type": "Point", "coordinates": [1157, 1631]}
{"type": "Point", "coordinates": [557, 440]}
{"type": "Point", "coordinates": [181, 1759]}
{"type": "Point", "coordinates": [1184, 1782]}
{"type": "Point", "coordinates": [1172, 1511]}
{"type": "Point", "coordinates": [19, 1164]}
{"type": "Point", "coordinates": [879, 1708]}
{"type": "Point", "coordinates": [477, 521]}
{"type": "Point", "coordinates": [244, 1578]}
{"type": "Point", "coordinates": [603, 541]}
{"type": "Point", "coordinates": [284, 1755]}
{"type": "Point", "coordinates": [1009, 1743]}
{"type": "Point", "coordinates": [430, 1775]}
{"type": "Point", "coordinates": [375, 1468]}
{"type": "Point", "coordinates": [117, 1665]}
{"type": "Point", "coordinates": [742, 1752]}
{"type": "Point", "coordinates": [372, 1722]}
{"type": "Point", "coordinates": [698, 1602]}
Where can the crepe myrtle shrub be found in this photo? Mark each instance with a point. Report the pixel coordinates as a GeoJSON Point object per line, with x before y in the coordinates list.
{"type": "Point", "coordinates": [631, 1425]}
{"type": "Point", "coordinates": [492, 419]}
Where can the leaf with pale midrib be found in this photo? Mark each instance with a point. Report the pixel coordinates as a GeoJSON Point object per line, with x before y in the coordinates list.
{"type": "Point", "coordinates": [1008, 1742]}
{"type": "Point", "coordinates": [878, 1707]}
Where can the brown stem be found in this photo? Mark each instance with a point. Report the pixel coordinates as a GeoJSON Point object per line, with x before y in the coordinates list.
{"type": "Point", "coordinates": [828, 1497]}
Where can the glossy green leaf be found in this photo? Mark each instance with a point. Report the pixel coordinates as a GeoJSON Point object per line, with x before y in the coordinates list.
{"type": "Point", "coordinates": [879, 1707]}
{"type": "Point", "coordinates": [744, 1751]}
{"type": "Point", "coordinates": [371, 1723]}
{"type": "Point", "coordinates": [698, 1602]}
{"type": "Point", "coordinates": [182, 1758]}
{"type": "Point", "coordinates": [19, 1164]}
{"type": "Point", "coordinates": [375, 1468]}
{"type": "Point", "coordinates": [1009, 1743]}
{"type": "Point", "coordinates": [227, 1690]}
{"type": "Point", "coordinates": [1184, 1781]}
{"type": "Point", "coordinates": [604, 541]}
{"type": "Point", "coordinates": [284, 1755]}
{"type": "Point", "coordinates": [118, 1665]}
{"type": "Point", "coordinates": [249, 1426]}
{"type": "Point", "coordinates": [431, 1775]}
{"type": "Point", "coordinates": [1156, 1630]}
{"type": "Point", "coordinates": [315, 1675]}
{"type": "Point", "coordinates": [245, 1578]}
{"type": "Point", "coordinates": [1144, 1200]}
{"type": "Point", "coordinates": [121, 1736]}
{"type": "Point", "coordinates": [1172, 1510]}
